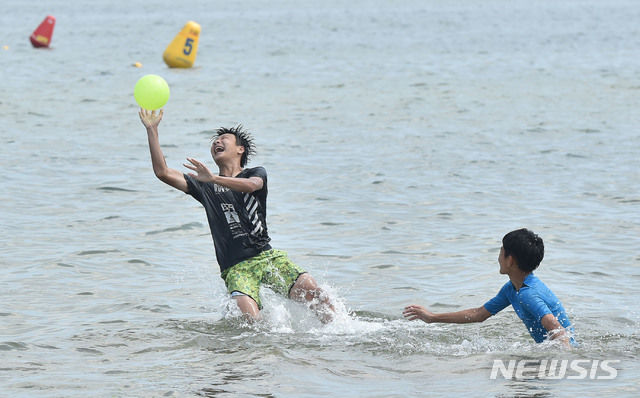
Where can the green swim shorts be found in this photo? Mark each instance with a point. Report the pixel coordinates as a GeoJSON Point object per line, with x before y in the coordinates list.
{"type": "Point", "coordinates": [271, 268]}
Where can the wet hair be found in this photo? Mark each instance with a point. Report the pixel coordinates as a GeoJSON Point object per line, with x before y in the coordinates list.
{"type": "Point", "coordinates": [243, 138]}
{"type": "Point", "coordinates": [526, 247]}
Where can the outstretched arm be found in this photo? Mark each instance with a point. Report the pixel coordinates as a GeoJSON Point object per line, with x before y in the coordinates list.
{"type": "Point", "coordinates": [414, 312]}
{"type": "Point", "coordinates": [169, 176]}
{"type": "Point", "coordinates": [203, 174]}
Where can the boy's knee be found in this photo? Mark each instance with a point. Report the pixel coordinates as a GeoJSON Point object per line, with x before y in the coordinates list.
{"type": "Point", "coordinates": [305, 288]}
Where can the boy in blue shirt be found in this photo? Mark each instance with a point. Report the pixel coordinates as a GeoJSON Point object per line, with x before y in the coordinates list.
{"type": "Point", "coordinates": [535, 304]}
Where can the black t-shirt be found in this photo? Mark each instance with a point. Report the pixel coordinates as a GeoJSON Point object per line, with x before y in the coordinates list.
{"type": "Point", "coordinates": [238, 220]}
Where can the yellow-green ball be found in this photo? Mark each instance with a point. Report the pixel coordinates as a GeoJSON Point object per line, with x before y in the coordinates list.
{"type": "Point", "coordinates": [151, 92]}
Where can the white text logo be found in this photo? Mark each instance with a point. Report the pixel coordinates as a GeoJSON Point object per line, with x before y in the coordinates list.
{"type": "Point", "coordinates": [575, 369]}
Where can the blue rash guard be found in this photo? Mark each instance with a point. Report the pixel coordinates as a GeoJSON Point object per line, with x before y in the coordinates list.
{"type": "Point", "coordinates": [533, 301]}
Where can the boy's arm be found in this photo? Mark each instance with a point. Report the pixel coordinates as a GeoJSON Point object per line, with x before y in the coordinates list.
{"type": "Point", "coordinates": [414, 312]}
{"type": "Point", "coordinates": [203, 174]}
{"type": "Point", "coordinates": [169, 176]}
{"type": "Point", "coordinates": [555, 331]}
{"type": "Point", "coordinates": [246, 185]}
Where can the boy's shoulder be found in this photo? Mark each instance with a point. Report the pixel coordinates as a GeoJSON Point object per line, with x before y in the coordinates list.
{"type": "Point", "coordinates": [532, 281]}
{"type": "Point", "coordinates": [532, 286]}
{"type": "Point", "coordinates": [257, 171]}
{"type": "Point", "coordinates": [254, 170]}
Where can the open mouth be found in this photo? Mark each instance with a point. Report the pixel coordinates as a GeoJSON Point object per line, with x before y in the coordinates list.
{"type": "Point", "coordinates": [218, 149]}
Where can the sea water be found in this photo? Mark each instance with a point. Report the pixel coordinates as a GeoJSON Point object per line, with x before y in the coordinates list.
{"type": "Point", "coordinates": [402, 141]}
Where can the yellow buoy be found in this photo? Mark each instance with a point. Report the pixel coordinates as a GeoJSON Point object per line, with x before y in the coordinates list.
{"type": "Point", "coordinates": [181, 52]}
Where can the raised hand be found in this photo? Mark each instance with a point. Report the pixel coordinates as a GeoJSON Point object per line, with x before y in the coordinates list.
{"type": "Point", "coordinates": [203, 173]}
{"type": "Point", "coordinates": [150, 118]}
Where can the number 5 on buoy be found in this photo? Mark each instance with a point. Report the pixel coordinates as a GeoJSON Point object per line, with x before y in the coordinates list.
{"type": "Point", "coordinates": [182, 51]}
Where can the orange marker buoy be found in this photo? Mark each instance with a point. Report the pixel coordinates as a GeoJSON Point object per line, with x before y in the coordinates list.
{"type": "Point", "coordinates": [41, 37]}
{"type": "Point", "coordinates": [182, 51]}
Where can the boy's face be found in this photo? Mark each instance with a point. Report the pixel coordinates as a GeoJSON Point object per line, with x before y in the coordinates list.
{"type": "Point", "coordinates": [225, 147]}
{"type": "Point", "coordinates": [502, 260]}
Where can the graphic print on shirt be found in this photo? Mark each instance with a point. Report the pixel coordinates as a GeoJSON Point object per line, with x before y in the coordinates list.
{"type": "Point", "coordinates": [251, 204]}
{"type": "Point", "coordinates": [233, 220]}
{"type": "Point", "coordinates": [220, 189]}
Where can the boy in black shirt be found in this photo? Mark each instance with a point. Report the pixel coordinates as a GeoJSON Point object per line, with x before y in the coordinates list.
{"type": "Point", "coordinates": [235, 202]}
